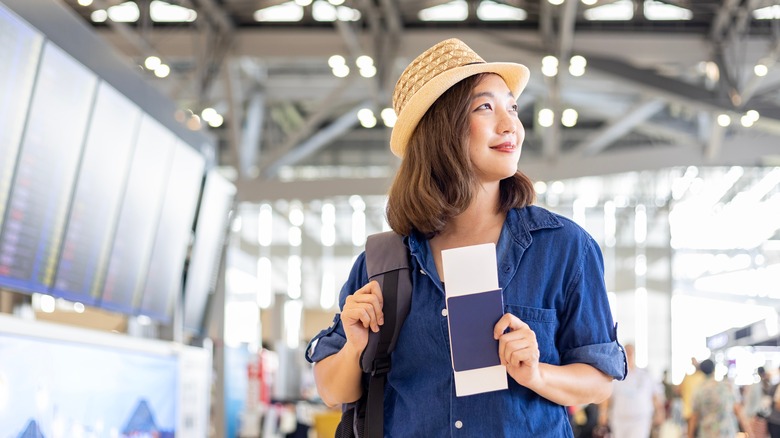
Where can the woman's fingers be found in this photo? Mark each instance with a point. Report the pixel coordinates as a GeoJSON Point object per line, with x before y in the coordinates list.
{"type": "Point", "coordinates": [516, 341]}
{"type": "Point", "coordinates": [365, 305]}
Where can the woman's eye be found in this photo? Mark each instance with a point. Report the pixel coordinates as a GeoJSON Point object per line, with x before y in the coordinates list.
{"type": "Point", "coordinates": [486, 106]}
{"type": "Point", "coordinates": [514, 108]}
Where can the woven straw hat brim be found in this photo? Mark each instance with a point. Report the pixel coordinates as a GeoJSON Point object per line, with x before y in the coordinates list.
{"type": "Point", "coordinates": [515, 75]}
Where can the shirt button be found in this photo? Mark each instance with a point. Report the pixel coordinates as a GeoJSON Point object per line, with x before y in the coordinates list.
{"type": "Point", "coordinates": [444, 312]}
{"type": "Point", "coordinates": [458, 424]}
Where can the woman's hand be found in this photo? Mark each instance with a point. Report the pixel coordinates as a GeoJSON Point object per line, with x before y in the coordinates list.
{"type": "Point", "coordinates": [518, 350]}
{"type": "Point", "coordinates": [362, 311]}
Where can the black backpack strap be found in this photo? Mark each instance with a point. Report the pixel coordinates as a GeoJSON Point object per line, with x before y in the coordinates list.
{"type": "Point", "coordinates": [387, 261]}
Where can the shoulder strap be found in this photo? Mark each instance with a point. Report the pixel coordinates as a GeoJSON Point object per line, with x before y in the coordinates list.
{"type": "Point", "coordinates": [387, 262]}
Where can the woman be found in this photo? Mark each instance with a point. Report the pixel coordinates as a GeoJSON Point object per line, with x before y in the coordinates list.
{"type": "Point", "coordinates": [459, 138]}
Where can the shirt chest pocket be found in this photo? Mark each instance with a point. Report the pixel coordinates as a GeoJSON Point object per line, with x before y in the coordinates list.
{"type": "Point", "coordinates": [544, 323]}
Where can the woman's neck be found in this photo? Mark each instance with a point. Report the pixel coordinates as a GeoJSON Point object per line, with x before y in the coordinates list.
{"type": "Point", "coordinates": [481, 222]}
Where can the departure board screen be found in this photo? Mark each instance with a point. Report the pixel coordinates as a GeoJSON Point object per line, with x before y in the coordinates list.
{"type": "Point", "coordinates": [174, 229]}
{"type": "Point", "coordinates": [210, 232]}
{"type": "Point", "coordinates": [134, 236]}
{"type": "Point", "coordinates": [95, 208]}
{"type": "Point", "coordinates": [43, 181]}
{"type": "Point", "coordinates": [20, 48]}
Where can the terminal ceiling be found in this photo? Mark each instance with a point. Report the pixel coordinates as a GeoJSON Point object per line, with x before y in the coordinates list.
{"type": "Point", "coordinates": [650, 96]}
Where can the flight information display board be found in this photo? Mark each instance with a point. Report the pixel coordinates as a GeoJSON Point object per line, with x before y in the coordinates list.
{"type": "Point", "coordinates": [134, 236]}
{"type": "Point", "coordinates": [95, 208]}
{"type": "Point", "coordinates": [41, 190]}
{"type": "Point", "coordinates": [174, 230]}
{"type": "Point", "coordinates": [210, 232]}
{"type": "Point", "coordinates": [20, 49]}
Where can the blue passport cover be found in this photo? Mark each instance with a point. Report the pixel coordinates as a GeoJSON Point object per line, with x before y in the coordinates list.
{"type": "Point", "coordinates": [472, 318]}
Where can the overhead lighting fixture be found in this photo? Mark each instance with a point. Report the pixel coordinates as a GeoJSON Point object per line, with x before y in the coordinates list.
{"type": "Point", "coordinates": [456, 10]}
{"type": "Point", "coordinates": [621, 10]}
{"type": "Point", "coordinates": [760, 70]}
{"type": "Point", "coordinates": [99, 16]}
{"type": "Point", "coordinates": [163, 12]}
{"type": "Point", "coordinates": [366, 118]}
{"type": "Point", "coordinates": [546, 117]}
{"type": "Point", "coordinates": [767, 13]}
{"type": "Point", "coordinates": [126, 12]}
{"type": "Point", "coordinates": [577, 65]}
{"type": "Point", "coordinates": [549, 66]}
{"type": "Point", "coordinates": [724, 120]}
{"type": "Point", "coordinates": [491, 11]}
{"type": "Point", "coordinates": [655, 10]}
{"type": "Point", "coordinates": [569, 117]}
{"type": "Point", "coordinates": [323, 11]}
{"type": "Point", "coordinates": [85, 3]}
{"type": "Point", "coordinates": [388, 117]}
{"type": "Point", "coordinates": [284, 13]}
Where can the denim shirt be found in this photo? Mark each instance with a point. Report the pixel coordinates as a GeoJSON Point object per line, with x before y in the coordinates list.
{"type": "Point", "coordinates": [552, 277]}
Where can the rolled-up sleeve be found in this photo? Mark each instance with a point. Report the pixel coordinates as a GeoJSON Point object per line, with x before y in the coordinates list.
{"type": "Point", "coordinates": [587, 333]}
{"type": "Point", "coordinates": [332, 339]}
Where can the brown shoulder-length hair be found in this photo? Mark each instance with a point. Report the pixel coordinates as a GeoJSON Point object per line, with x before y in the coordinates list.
{"type": "Point", "coordinates": [436, 180]}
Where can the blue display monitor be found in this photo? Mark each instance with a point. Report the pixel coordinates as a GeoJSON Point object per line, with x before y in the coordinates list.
{"type": "Point", "coordinates": [20, 49]}
{"type": "Point", "coordinates": [128, 262]}
{"type": "Point", "coordinates": [210, 232]}
{"type": "Point", "coordinates": [163, 281]}
{"type": "Point", "coordinates": [95, 208]}
{"type": "Point", "coordinates": [42, 186]}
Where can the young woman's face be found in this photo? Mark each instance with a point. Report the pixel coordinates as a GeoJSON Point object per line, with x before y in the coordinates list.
{"type": "Point", "coordinates": [495, 133]}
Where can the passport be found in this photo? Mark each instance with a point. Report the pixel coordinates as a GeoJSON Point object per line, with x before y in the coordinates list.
{"type": "Point", "coordinates": [471, 320]}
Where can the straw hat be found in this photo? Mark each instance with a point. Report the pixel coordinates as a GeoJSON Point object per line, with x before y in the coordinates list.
{"type": "Point", "coordinates": [434, 72]}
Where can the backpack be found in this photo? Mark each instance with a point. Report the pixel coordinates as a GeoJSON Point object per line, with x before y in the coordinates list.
{"type": "Point", "coordinates": [387, 261]}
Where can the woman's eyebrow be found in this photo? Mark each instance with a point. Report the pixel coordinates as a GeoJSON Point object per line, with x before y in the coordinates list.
{"type": "Point", "coordinates": [490, 94]}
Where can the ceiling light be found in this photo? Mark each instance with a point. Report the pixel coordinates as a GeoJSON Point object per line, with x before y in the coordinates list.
{"type": "Point", "coordinates": [364, 61]}
{"type": "Point", "coordinates": [216, 121]}
{"type": "Point", "coordinates": [341, 71]}
{"type": "Point", "coordinates": [152, 62]}
{"type": "Point", "coordinates": [589, 2]}
{"type": "Point", "coordinates": [555, 2]}
{"type": "Point", "coordinates": [546, 117]}
{"type": "Point", "coordinates": [323, 11]}
{"type": "Point", "coordinates": [491, 11]}
{"type": "Point", "coordinates": [549, 66]}
{"type": "Point", "coordinates": [126, 12]}
{"type": "Point", "coordinates": [767, 13]}
{"type": "Point", "coordinates": [285, 12]}
{"type": "Point", "coordinates": [336, 61]}
{"type": "Point", "coordinates": [163, 12]}
{"type": "Point", "coordinates": [99, 16]}
{"type": "Point", "coordinates": [85, 2]}
{"type": "Point", "coordinates": [368, 72]}
{"type": "Point", "coordinates": [388, 117]}
{"type": "Point", "coordinates": [208, 113]}
{"type": "Point", "coordinates": [621, 10]}
{"type": "Point", "coordinates": [760, 70]}
{"type": "Point", "coordinates": [456, 10]}
{"type": "Point", "coordinates": [569, 117]}
{"type": "Point", "coordinates": [162, 71]}
{"type": "Point", "coordinates": [724, 120]}
{"type": "Point", "coordinates": [655, 10]}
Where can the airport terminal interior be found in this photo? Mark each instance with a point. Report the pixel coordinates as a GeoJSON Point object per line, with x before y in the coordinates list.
{"type": "Point", "coordinates": [185, 185]}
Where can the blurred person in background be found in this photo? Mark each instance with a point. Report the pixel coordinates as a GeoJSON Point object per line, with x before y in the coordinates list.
{"type": "Point", "coordinates": [688, 386]}
{"type": "Point", "coordinates": [773, 420]}
{"type": "Point", "coordinates": [636, 403]}
{"type": "Point", "coordinates": [715, 411]}
{"type": "Point", "coordinates": [758, 403]}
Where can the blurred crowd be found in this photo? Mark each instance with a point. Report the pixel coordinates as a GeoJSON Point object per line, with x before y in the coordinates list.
{"type": "Point", "coordinates": [703, 405]}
